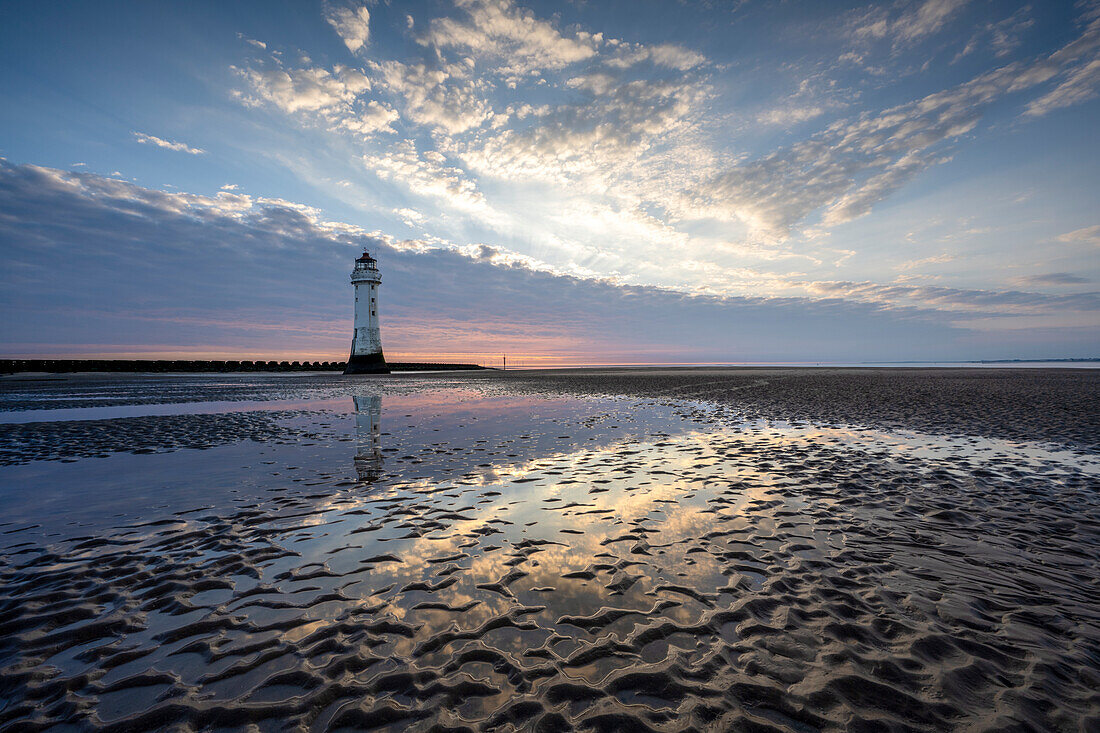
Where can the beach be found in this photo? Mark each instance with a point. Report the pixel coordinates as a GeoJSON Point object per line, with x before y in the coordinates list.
{"type": "Point", "coordinates": [761, 549]}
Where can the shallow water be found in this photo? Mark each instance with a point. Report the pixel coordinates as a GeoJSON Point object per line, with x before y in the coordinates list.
{"type": "Point", "coordinates": [442, 553]}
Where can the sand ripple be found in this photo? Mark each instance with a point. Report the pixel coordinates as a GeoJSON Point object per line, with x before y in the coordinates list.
{"type": "Point", "coordinates": [760, 580]}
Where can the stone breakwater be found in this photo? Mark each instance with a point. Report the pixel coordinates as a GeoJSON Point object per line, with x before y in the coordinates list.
{"type": "Point", "coordinates": [68, 366]}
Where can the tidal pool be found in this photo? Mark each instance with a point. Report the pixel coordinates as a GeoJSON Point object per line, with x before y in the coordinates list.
{"type": "Point", "coordinates": [412, 553]}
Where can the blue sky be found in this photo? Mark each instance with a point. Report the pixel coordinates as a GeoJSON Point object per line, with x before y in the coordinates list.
{"type": "Point", "coordinates": [565, 182]}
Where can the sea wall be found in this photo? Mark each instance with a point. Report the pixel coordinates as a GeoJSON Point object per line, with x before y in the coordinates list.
{"type": "Point", "coordinates": [11, 366]}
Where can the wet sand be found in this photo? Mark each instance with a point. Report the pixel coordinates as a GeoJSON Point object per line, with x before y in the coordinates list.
{"type": "Point", "coordinates": [495, 552]}
{"type": "Point", "coordinates": [1051, 405]}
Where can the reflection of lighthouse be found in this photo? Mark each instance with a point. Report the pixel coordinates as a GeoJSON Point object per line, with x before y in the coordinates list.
{"type": "Point", "coordinates": [368, 454]}
{"type": "Point", "coordinates": [366, 346]}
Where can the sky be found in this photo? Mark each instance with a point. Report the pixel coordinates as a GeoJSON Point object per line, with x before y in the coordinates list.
{"type": "Point", "coordinates": [566, 183]}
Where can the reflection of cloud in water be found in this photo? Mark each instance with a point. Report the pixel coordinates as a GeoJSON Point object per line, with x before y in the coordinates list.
{"type": "Point", "coordinates": [591, 513]}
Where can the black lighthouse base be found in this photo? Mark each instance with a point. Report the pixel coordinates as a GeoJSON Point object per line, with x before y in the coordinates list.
{"type": "Point", "coordinates": [367, 364]}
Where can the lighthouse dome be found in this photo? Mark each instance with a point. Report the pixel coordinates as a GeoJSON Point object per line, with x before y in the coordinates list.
{"type": "Point", "coordinates": [366, 267]}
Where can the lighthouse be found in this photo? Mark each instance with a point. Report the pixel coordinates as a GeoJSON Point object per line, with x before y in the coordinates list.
{"type": "Point", "coordinates": [366, 345]}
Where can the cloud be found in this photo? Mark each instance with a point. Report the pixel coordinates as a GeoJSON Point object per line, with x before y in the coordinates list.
{"type": "Point", "coordinates": [925, 19]}
{"type": "Point", "coordinates": [1001, 303]}
{"type": "Point", "coordinates": [912, 24]}
{"type": "Point", "coordinates": [1003, 37]}
{"type": "Point", "coordinates": [411, 217]}
{"type": "Point", "coordinates": [307, 89]}
{"type": "Point", "coordinates": [846, 169]}
{"type": "Point", "coordinates": [258, 276]}
{"type": "Point", "coordinates": [939, 259]}
{"type": "Point", "coordinates": [1079, 86]}
{"type": "Point", "coordinates": [609, 130]}
{"type": "Point", "coordinates": [858, 202]}
{"type": "Point", "coordinates": [1078, 65]}
{"type": "Point", "coordinates": [786, 116]}
{"type": "Point", "coordinates": [815, 95]}
{"type": "Point", "coordinates": [668, 55]}
{"type": "Point", "coordinates": [674, 57]}
{"type": "Point", "coordinates": [167, 144]}
{"type": "Point", "coordinates": [1053, 278]}
{"type": "Point", "coordinates": [252, 41]}
{"type": "Point", "coordinates": [1088, 235]}
{"type": "Point", "coordinates": [370, 118]}
{"type": "Point", "coordinates": [334, 98]}
{"type": "Point", "coordinates": [352, 25]}
{"type": "Point", "coordinates": [425, 175]}
{"type": "Point", "coordinates": [601, 129]}
{"type": "Point", "coordinates": [498, 29]}
{"type": "Point", "coordinates": [607, 158]}
{"type": "Point", "coordinates": [436, 97]}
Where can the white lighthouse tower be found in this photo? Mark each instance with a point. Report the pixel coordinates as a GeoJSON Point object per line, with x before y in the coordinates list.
{"type": "Point", "coordinates": [366, 344]}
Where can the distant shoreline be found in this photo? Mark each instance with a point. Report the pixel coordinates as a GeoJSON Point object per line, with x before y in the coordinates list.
{"type": "Point", "coordinates": [215, 366]}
